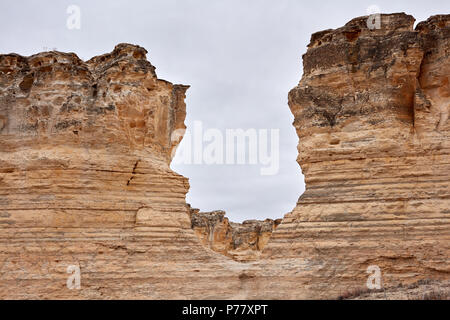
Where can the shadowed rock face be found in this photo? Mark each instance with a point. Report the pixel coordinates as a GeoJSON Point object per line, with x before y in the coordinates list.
{"type": "Point", "coordinates": [85, 149]}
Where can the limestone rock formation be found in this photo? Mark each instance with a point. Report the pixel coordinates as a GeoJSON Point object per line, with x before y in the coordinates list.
{"type": "Point", "coordinates": [239, 241]}
{"type": "Point", "coordinates": [85, 181]}
{"type": "Point", "coordinates": [371, 112]}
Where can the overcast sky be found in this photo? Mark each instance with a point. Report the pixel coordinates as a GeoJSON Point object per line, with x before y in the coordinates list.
{"type": "Point", "coordinates": [240, 57]}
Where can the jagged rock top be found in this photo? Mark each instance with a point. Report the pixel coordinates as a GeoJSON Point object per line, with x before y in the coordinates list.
{"type": "Point", "coordinates": [332, 47]}
{"type": "Point", "coordinates": [358, 27]}
{"type": "Point", "coordinates": [113, 101]}
{"type": "Point", "coordinates": [14, 61]}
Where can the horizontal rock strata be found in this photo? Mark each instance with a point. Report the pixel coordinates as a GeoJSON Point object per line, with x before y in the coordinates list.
{"type": "Point", "coordinates": [85, 181]}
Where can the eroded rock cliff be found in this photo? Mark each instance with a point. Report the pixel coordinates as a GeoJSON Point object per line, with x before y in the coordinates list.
{"type": "Point", "coordinates": [85, 181]}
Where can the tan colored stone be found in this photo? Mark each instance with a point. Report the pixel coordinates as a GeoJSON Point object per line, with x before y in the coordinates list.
{"type": "Point", "coordinates": [371, 113]}
{"type": "Point", "coordinates": [239, 241]}
{"type": "Point", "coordinates": [85, 149]}
{"type": "Point", "coordinates": [85, 181]}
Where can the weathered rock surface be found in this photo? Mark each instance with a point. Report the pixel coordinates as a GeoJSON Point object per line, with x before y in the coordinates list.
{"type": "Point", "coordinates": [371, 112]}
{"type": "Point", "coordinates": [420, 290]}
{"type": "Point", "coordinates": [85, 181]}
{"type": "Point", "coordinates": [85, 149]}
{"type": "Point", "coordinates": [239, 241]}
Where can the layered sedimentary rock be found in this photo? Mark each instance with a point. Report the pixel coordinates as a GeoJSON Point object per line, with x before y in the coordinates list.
{"type": "Point", "coordinates": [239, 241]}
{"type": "Point", "coordinates": [424, 289]}
{"type": "Point", "coordinates": [371, 112]}
{"type": "Point", "coordinates": [85, 182]}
